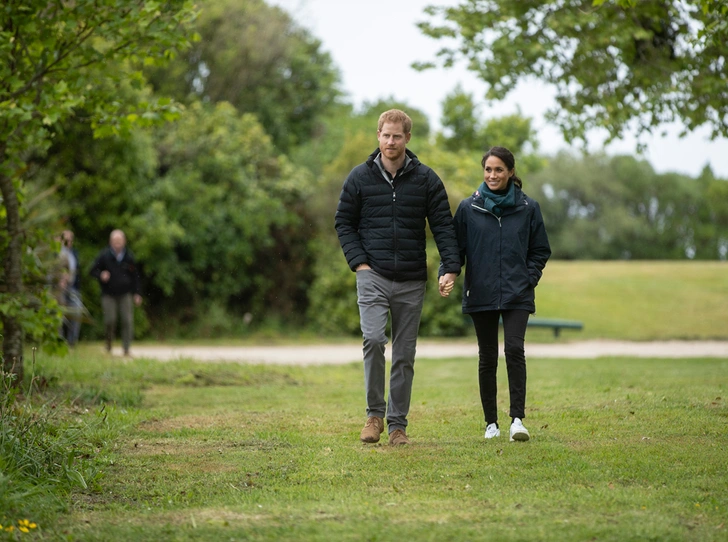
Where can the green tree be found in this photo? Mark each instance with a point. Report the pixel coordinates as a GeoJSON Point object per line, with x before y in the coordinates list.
{"type": "Point", "coordinates": [709, 224]}
{"type": "Point", "coordinates": [370, 112]}
{"type": "Point", "coordinates": [460, 123]}
{"type": "Point", "coordinates": [600, 207]}
{"type": "Point", "coordinates": [715, 27]}
{"type": "Point", "coordinates": [57, 58]}
{"type": "Point", "coordinates": [716, 196]}
{"type": "Point", "coordinates": [614, 65]}
{"type": "Point", "coordinates": [241, 210]}
{"type": "Point", "coordinates": [463, 129]}
{"type": "Point", "coordinates": [255, 57]}
{"type": "Point", "coordinates": [217, 219]}
{"type": "Point", "coordinates": [100, 184]}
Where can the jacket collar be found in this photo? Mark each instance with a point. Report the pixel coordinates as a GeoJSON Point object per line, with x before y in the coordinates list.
{"type": "Point", "coordinates": [477, 203]}
{"type": "Point", "coordinates": [413, 160]}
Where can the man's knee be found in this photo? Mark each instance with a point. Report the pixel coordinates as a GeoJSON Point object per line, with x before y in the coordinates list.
{"type": "Point", "coordinates": [375, 340]}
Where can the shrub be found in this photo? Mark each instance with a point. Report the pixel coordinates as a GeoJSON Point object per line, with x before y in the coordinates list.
{"type": "Point", "coordinates": [44, 451]}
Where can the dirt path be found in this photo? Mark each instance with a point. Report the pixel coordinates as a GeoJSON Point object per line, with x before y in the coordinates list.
{"type": "Point", "coordinates": [326, 354]}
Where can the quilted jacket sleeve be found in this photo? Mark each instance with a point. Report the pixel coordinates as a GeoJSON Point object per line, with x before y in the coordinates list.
{"type": "Point", "coordinates": [346, 222]}
{"type": "Point", "coordinates": [440, 220]}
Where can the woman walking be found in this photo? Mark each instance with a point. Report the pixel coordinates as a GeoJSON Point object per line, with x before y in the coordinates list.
{"type": "Point", "coordinates": [504, 246]}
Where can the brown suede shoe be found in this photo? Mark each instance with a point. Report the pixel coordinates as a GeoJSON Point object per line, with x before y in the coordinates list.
{"type": "Point", "coordinates": [398, 438]}
{"type": "Point", "coordinates": [372, 429]}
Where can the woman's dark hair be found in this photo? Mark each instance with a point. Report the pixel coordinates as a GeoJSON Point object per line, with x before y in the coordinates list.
{"type": "Point", "coordinates": [508, 159]}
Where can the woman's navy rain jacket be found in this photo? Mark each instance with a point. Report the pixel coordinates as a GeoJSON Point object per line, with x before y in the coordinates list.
{"type": "Point", "coordinates": [504, 256]}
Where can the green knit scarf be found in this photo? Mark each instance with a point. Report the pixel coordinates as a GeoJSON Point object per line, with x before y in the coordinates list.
{"type": "Point", "coordinates": [495, 202]}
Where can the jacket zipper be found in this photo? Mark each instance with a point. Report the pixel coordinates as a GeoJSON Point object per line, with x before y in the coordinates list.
{"type": "Point", "coordinates": [394, 224]}
{"type": "Point", "coordinates": [500, 243]}
{"type": "Point", "coordinates": [394, 213]}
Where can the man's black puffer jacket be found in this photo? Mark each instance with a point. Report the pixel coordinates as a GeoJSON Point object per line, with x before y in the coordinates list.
{"type": "Point", "coordinates": [383, 225]}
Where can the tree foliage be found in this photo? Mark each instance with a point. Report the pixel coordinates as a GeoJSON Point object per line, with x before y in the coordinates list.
{"type": "Point", "coordinates": [599, 207]}
{"type": "Point", "coordinates": [218, 220]}
{"type": "Point", "coordinates": [460, 122]}
{"type": "Point", "coordinates": [615, 66]}
{"type": "Point", "coordinates": [240, 210]}
{"type": "Point", "coordinates": [255, 57]}
{"type": "Point", "coordinates": [227, 228]}
{"type": "Point", "coordinates": [463, 129]}
{"type": "Point", "coordinates": [343, 122]}
{"type": "Point", "coordinates": [58, 58]}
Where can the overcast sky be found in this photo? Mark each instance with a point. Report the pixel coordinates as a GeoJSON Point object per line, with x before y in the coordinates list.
{"type": "Point", "coordinates": [374, 43]}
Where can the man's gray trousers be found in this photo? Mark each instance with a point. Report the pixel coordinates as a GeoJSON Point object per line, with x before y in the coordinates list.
{"type": "Point", "coordinates": [377, 298]}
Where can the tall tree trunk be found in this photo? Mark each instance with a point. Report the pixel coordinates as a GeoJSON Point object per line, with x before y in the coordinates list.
{"type": "Point", "coordinates": [12, 331]}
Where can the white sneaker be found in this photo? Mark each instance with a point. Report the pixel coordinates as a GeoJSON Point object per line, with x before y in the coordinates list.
{"type": "Point", "coordinates": [492, 431]}
{"type": "Point", "coordinates": [518, 432]}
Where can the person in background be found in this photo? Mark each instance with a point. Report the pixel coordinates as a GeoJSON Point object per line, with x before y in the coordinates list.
{"type": "Point", "coordinates": [380, 221]}
{"type": "Point", "coordinates": [59, 278]}
{"type": "Point", "coordinates": [118, 275]}
{"type": "Point", "coordinates": [504, 246]}
{"type": "Point", "coordinates": [72, 293]}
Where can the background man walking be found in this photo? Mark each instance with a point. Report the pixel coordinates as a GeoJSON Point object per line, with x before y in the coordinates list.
{"type": "Point", "coordinates": [380, 220]}
{"type": "Point", "coordinates": [118, 275]}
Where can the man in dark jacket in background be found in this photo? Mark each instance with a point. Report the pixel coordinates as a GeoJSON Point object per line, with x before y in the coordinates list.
{"type": "Point", "coordinates": [380, 220]}
{"type": "Point", "coordinates": [118, 275]}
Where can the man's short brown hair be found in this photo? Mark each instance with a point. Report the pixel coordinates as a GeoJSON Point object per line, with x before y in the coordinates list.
{"type": "Point", "coordinates": [395, 116]}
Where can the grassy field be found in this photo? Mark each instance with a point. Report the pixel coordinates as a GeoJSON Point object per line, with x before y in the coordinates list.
{"type": "Point", "coordinates": [621, 449]}
{"type": "Point", "coordinates": [639, 301]}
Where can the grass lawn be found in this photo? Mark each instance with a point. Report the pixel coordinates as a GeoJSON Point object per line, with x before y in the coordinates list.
{"type": "Point", "coordinates": [636, 300]}
{"type": "Point", "coordinates": [621, 449]}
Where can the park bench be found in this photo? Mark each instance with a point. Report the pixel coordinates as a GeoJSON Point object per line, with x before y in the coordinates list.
{"type": "Point", "coordinates": [556, 324]}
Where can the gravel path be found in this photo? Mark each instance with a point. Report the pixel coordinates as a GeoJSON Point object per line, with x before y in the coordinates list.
{"type": "Point", "coordinates": [326, 354]}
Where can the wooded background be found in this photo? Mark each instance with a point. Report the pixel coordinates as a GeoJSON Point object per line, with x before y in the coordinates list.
{"type": "Point", "coordinates": [217, 137]}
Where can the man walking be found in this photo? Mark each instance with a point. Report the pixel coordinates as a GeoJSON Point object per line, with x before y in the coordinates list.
{"type": "Point", "coordinates": [118, 275]}
{"type": "Point", "coordinates": [380, 221]}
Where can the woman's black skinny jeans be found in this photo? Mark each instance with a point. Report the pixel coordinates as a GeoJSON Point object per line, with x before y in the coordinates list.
{"type": "Point", "coordinates": [514, 329]}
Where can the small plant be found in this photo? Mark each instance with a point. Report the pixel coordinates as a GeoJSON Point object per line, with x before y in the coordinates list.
{"type": "Point", "coordinates": [42, 451]}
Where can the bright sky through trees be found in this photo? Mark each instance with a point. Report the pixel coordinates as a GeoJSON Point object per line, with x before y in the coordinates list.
{"type": "Point", "coordinates": [375, 42]}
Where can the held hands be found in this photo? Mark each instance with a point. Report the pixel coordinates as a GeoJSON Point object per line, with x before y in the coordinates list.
{"type": "Point", "coordinates": [105, 276]}
{"type": "Point", "coordinates": [447, 283]}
